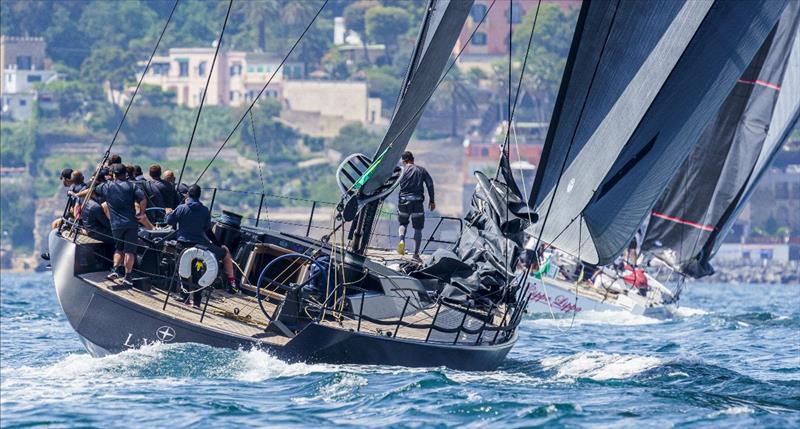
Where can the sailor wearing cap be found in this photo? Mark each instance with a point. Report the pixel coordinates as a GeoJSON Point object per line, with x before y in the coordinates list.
{"type": "Point", "coordinates": [121, 197]}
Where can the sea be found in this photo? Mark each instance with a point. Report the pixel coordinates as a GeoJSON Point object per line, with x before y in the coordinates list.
{"type": "Point", "coordinates": [730, 359]}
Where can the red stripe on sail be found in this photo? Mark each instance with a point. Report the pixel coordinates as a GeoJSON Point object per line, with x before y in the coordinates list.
{"type": "Point", "coordinates": [762, 83]}
{"type": "Point", "coordinates": [684, 221]}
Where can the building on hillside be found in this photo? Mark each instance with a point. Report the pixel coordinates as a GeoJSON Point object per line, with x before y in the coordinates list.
{"type": "Point", "coordinates": [24, 65]}
{"type": "Point", "coordinates": [316, 107]}
{"type": "Point", "coordinates": [349, 44]}
{"type": "Point", "coordinates": [482, 153]}
{"type": "Point", "coordinates": [238, 76]}
{"type": "Point", "coordinates": [778, 200]}
{"type": "Point", "coordinates": [321, 108]}
{"type": "Point", "coordinates": [490, 41]}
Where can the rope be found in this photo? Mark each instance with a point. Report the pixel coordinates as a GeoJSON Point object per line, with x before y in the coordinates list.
{"type": "Point", "coordinates": [205, 91]}
{"type": "Point", "coordinates": [264, 88]}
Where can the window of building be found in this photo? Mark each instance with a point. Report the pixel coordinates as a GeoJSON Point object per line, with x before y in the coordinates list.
{"type": "Point", "coordinates": [34, 78]}
{"type": "Point", "coordinates": [23, 102]}
{"type": "Point", "coordinates": [24, 62]}
{"type": "Point", "coordinates": [251, 69]}
{"type": "Point", "coordinates": [514, 15]}
{"type": "Point", "coordinates": [201, 68]}
{"type": "Point", "coordinates": [479, 39]}
{"type": "Point", "coordinates": [477, 12]}
{"type": "Point", "coordinates": [183, 68]}
{"type": "Point", "coordinates": [236, 69]}
{"type": "Point", "coordinates": [161, 69]}
{"type": "Point", "coordinates": [9, 77]}
{"type": "Point", "coordinates": [485, 152]}
{"type": "Point", "coordinates": [233, 96]}
{"type": "Point", "coordinates": [796, 191]}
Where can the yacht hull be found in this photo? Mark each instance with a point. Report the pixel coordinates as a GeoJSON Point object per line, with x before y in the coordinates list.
{"type": "Point", "coordinates": [559, 297]}
{"type": "Point", "coordinates": [108, 324]}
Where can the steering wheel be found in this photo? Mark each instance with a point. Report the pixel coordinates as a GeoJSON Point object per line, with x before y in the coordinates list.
{"type": "Point", "coordinates": [156, 215]}
{"type": "Point", "coordinates": [284, 287]}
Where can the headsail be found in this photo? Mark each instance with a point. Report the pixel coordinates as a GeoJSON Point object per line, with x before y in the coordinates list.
{"type": "Point", "coordinates": [691, 219]}
{"type": "Point", "coordinates": [440, 30]}
{"type": "Point", "coordinates": [641, 82]}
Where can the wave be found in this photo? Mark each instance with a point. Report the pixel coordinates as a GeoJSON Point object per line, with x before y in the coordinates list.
{"type": "Point", "coordinates": [599, 366]}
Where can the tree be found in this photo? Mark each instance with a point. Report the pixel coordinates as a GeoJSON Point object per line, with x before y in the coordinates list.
{"type": "Point", "coordinates": [355, 18]}
{"type": "Point", "coordinates": [384, 85]}
{"type": "Point", "coordinates": [549, 50]}
{"type": "Point", "coordinates": [354, 138]}
{"type": "Point", "coordinates": [385, 24]}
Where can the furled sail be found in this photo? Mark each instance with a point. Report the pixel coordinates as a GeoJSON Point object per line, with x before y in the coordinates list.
{"type": "Point", "coordinates": [696, 211]}
{"type": "Point", "coordinates": [441, 28]}
{"type": "Point", "coordinates": [642, 81]}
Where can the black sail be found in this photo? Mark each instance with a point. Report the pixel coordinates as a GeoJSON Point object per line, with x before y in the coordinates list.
{"type": "Point", "coordinates": [440, 30]}
{"type": "Point", "coordinates": [641, 82]}
{"type": "Point", "coordinates": [696, 211]}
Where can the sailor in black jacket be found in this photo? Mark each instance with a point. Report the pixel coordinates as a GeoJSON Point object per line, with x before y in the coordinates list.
{"type": "Point", "coordinates": [411, 203]}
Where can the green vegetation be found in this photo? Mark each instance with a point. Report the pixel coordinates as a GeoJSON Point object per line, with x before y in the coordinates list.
{"type": "Point", "coordinates": [98, 44]}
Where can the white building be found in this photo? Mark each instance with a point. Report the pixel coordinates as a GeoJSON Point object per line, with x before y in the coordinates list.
{"type": "Point", "coordinates": [24, 65]}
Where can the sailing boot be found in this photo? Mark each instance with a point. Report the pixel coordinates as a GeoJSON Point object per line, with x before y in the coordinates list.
{"type": "Point", "coordinates": [116, 273]}
{"type": "Point", "coordinates": [401, 248]}
{"type": "Point", "coordinates": [127, 281]}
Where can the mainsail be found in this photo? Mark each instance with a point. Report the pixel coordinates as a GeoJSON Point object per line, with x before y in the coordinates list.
{"type": "Point", "coordinates": [700, 205]}
{"type": "Point", "coordinates": [441, 28]}
{"type": "Point", "coordinates": [641, 82]}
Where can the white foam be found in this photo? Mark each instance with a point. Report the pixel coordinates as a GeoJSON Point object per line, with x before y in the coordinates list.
{"type": "Point", "coordinates": [599, 366]}
{"type": "Point", "coordinates": [499, 377]}
{"type": "Point", "coordinates": [591, 317]}
{"type": "Point", "coordinates": [733, 411]}
{"type": "Point", "coordinates": [683, 312]}
{"type": "Point", "coordinates": [257, 365]}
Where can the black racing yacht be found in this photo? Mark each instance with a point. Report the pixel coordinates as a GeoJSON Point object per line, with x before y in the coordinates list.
{"type": "Point", "coordinates": [330, 299]}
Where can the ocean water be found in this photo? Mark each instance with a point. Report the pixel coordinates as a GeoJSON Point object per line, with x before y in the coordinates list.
{"type": "Point", "coordinates": [732, 359]}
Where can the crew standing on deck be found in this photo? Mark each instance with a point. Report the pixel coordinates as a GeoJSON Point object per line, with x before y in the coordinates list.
{"type": "Point", "coordinates": [121, 197]}
{"type": "Point", "coordinates": [192, 220]}
{"type": "Point", "coordinates": [411, 204]}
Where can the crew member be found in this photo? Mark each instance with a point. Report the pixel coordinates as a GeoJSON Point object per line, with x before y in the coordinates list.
{"type": "Point", "coordinates": [121, 197]}
{"type": "Point", "coordinates": [169, 177]}
{"type": "Point", "coordinates": [411, 203]}
{"type": "Point", "coordinates": [66, 183]}
{"type": "Point", "coordinates": [160, 192]}
{"type": "Point", "coordinates": [192, 220]}
{"type": "Point", "coordinates": [138, 175]}
{"type": "Point", "coordinates": [96, 221]}
{"type": "Point", "coordinates": [114, 159]}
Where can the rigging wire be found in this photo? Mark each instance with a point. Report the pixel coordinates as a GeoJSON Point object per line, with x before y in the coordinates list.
{"type": "Point", "coordinates": [205, 91]}
{"type": "Point", "coordinates": [260, 169]}
{"type": "Point", "coordinates": [107, 154]}
{"type": "Point", "coordinates": [264, 88]}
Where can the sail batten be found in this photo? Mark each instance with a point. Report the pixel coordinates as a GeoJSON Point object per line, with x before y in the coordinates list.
{"type": "Point", "coordinates": [644, 78]}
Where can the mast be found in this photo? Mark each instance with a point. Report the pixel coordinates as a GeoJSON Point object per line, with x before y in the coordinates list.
{"type": "Point", "coordinates": [440, 29]}
{"type": "Point", "coordinates": [628, 113]}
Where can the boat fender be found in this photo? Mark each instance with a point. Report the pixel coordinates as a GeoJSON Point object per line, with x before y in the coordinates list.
{"type": "Point", "coordinates": [206, 257]}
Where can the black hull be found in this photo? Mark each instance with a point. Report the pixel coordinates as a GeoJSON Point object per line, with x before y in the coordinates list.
{"type": "Point", "coordinates": [108, 324]}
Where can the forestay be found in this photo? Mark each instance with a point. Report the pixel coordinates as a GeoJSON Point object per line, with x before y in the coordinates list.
{"type": "Point", "coordinates": [692, 218]}
{"type": "Point", "coordinates": [641, 82]}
